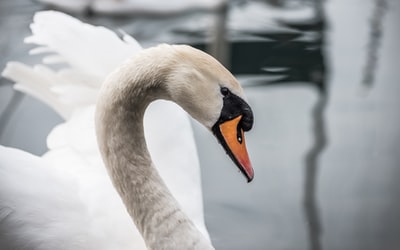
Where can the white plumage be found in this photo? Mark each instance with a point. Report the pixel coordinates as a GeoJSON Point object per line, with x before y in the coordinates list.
{"type": "Point", "coordinates": [65, 200]}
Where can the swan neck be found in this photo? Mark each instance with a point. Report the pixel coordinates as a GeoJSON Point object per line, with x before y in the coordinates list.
{"type": "Point", "coordinates": [119, 125]}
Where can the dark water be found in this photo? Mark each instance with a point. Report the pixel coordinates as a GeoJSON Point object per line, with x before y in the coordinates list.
{"type": "Point", "coordinates": [322, 79]}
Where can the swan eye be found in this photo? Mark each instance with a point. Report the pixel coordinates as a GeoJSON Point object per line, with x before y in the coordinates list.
{"type": "Point", "coordinates": [224, 91]}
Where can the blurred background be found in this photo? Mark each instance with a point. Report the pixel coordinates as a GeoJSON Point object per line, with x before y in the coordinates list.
{"type": "Point", "coordinates": [322, 80]}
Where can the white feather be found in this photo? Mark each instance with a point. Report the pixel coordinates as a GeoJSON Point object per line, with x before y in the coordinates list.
{"type": "Point", "coordinates": [65, 200]}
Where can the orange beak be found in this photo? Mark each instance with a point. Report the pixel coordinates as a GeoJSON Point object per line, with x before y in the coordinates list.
{"type": "Point", "coordinates": [235, 145]}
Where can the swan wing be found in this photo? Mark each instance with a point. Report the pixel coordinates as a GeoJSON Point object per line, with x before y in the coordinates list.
{"type": "Point", "coordinates": [76, 59]}
{"type": "Point", "coordinates": [79, 44]}
{"type": "Point", "coordinates": [46, 204]}
{"type": "Point", "coordinates": [26, 222]}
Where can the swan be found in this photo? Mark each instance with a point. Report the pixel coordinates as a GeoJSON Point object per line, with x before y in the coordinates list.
{"type": "Point", "coordinates": [48, 203]}
{"type": "Point", "coordinates": [71, 91]}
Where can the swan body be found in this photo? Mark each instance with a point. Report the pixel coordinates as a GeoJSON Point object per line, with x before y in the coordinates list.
{"type": "Point", "coordinates": [65, 199]}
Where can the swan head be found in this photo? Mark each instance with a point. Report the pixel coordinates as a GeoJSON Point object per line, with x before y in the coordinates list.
{"type": "Point", "coordinates": [194, 80]}
{"type": "Point", "coordinates": [212, 96]}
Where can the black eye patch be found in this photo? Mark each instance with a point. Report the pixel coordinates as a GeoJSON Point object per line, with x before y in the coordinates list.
{"type": "Point", "coordinates": [233, 106]}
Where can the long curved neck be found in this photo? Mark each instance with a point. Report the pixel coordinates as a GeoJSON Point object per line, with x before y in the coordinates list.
{"type": "Point", "coordinates": [119, 126]}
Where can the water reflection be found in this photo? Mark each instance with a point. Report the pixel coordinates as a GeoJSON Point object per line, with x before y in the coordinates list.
{"type": "Point", "coordinates": [294, 57]}
{"type": "Point", "coordinates": [375, 37]}
{"type": "Point", "coordinates": [219, 48]}
{"type": "Point", "coordinates": [9, 109]}
{"type": "Point", "coordinates": [311, 173]}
